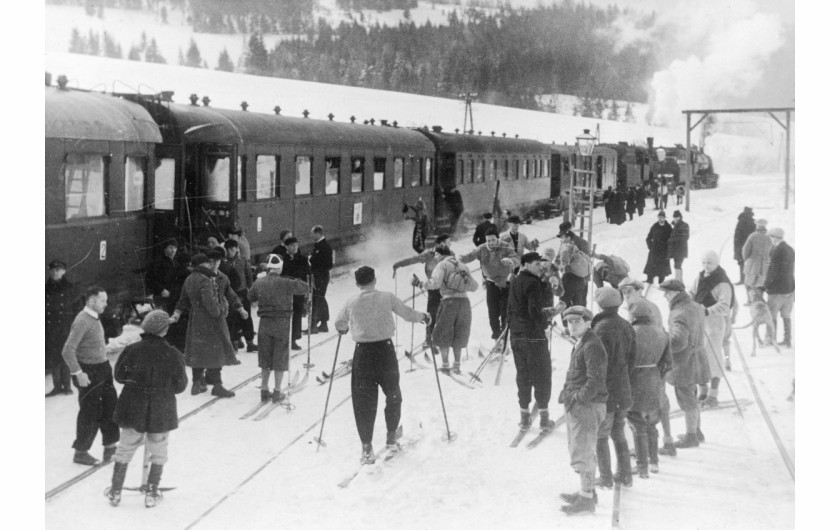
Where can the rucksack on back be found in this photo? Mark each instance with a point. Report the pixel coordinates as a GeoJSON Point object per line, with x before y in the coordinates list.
{"type": "Point", "coordinates": [458, 278]}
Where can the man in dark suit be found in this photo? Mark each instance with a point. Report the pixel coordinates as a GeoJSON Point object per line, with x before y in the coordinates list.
{"type": "Point", "coordinates": [321, 262]}
{"type": "Point", "coordinates": [296, 266]}
{"type": "Point", "coordinates": [479, 238]}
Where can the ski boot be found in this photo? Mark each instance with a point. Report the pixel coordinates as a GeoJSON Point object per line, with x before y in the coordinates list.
{"type": "Point", "coordinates": [84, 458]}
{"type": "Point", "coordinates": [668, 448]}
{"type": "Point", "coordinates": [392, 446]}
{"type": "Point", "coordinates": [571, 497]}
{"type": "Point", "coordinates": [709, 403]}
{"type": "Point", "coordinates": [265, 395]}
{"type": "Point", "coordinates": [546, 424]}
{"type": "Point", "coordinates": [524, 419]}
{"type": "Point", "coordinates": [367, 455]}
{"type": "Point", "coordinates": [277, 396]}
{"type": "Point", "coordinates": [108, 452]}
{"type": "Point", "coordinates": [581, 505]}
{"type": "Point", "coordinates": [153, 495]}
{"type": "Point", "coordinates": [222, 392]}
{"type": "Point", "coordinates": [114, 492]}
{"type": "Point", "coordinates": [251, 347]}
{"type": "Point", "coordinates": [687, 441]}
{"type": "Point", "coordinates": [445, 369]}
{"type": "Point", "coordinates": [456, 368]}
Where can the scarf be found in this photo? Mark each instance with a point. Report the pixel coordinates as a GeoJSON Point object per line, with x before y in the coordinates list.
{"type": "Point", "coordinates": [707, 282]}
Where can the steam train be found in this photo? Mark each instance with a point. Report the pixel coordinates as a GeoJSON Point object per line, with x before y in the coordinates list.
{"type": "Point", "coordinates": [126, 172]}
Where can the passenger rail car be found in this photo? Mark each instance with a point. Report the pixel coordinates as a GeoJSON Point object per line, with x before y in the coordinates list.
{"type": "Point", "coordinates": [267, 172]}
{"type": "Point", "coordinates": [99, 153]}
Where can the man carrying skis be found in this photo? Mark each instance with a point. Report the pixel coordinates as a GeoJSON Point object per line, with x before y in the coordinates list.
{"type": "Point", "coordinates": [274, 296]}
{"type": "Point", "coordinates": [528, 319]}
{"type": "Point", "coordinates": [453, 280]}
{"type": "Point", "coordinates": [585, 397]}
{"type": "Point", "coordinates": [368, 317]}
{"type": "Point", "coordinates": [153, 372]}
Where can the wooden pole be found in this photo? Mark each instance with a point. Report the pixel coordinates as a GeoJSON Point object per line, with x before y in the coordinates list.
{"type": "Point", "coordinates": [688, 162]}
{"type": "Point", "coordinates": [787, 158]}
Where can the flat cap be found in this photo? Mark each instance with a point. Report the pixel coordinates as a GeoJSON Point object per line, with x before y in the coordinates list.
{"type": "Point", "coordinates": [577, 311]}
{"type": "Point", "coordinates": [155, 322]}
{"type": "Point", "coordinates": [530, 257]}
{"type": "Point", "coordinates": [199, 259]}
{"type": "Point", "coordinates": [608, 297]}
{"type": "Point", "coordinates": [672, 285]}
{"type": "Point", "coordinates": [630, 282]}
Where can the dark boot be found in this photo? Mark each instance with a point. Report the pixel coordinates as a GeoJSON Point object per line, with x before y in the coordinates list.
{"type": "Point", "coordinates": [570, 497]}
{"type": "Point", "coordinates": [689, 440]}
{"type": "Point", "coordinates": [741, 272]}
{"type": "Point", "coordinates": [524, 419]}
{"type": "Point", "coordinates": [602, 449]}
{"type": "Point", "coordinates": [546, 424]}
{"type": "Point", "coordinates": [108, 452]}
{"type": "Point", "coordinates": [668, 448]}
{"type": "Point", "coordinates": [84, 458]}
{"type": "Point", "coordinates": [624, 474]}
{"type": "Point", "coordinates": [787, 324]}
{"type": "Point", "coordinates": [222, 392]}
{"type": "Point", "coordinates": [580, 505]}
{"type": "Point", "coordinates": [642, 448]}
{"type": "Point", "coordinates": [114, 493]}
{"type": "Point", "coordinates": [153, 495]}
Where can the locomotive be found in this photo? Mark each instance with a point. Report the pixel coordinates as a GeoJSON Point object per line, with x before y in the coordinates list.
{"type": "Point", "coordinates": [126, 172]}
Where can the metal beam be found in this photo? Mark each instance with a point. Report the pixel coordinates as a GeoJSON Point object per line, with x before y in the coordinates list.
{"type": "Point", "coordinates": [739, 111]}
{"type": "Point", "coordinates": [787, 158]}
{"type": "Point", "coordinates": [688, 161]}
{"type": "Point", "coordinates": [703, 117]}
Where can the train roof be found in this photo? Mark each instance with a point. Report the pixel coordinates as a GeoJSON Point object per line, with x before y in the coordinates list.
{"type": "Point", "coordinates": [572, 149]}
{"type": "Point", "coordinates": [83, 115]}
{"type": "Point", "coordinates": [211, 125]}
{"type": "Point", "coordinates": [449, 142]}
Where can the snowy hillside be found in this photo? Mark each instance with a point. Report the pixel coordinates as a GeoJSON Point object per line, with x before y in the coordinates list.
{"type": "Point", "coordinates": [233, 473]}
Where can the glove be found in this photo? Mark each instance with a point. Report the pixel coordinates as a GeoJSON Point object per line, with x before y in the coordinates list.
{"type": "Point", "coordinates": [342, 331]}
{"type": "Point", "coordinates": [427, 319]}
{"type": "Point", "coordinates": [243, 314]}
{"type": "Point", "coordinates": [415, 281]}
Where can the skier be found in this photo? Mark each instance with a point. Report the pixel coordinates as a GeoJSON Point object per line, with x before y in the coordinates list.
{"type": "Point", "coordinates": [584, 396]}
{"type": "Point", "coordinates": [274, 296]}
{"type": "Point", "coordinates": [321, 263]}
{"type": "Point", "coordinates": [756, 259]}
{"type": "Point", "coordinates": [84, 353]}
{"type": "Point", "coordinates": [528, 319]}
{"type": "Point", "coordinates": [780, 284]}
{"type": "Point", "coordinates": [620, 343]}
{"type": "Point", "coordinates": [429, 258]}
{"type": "Point", "coordinates": [497, 260]}
{"type": "Point", "coordinates": [658, 264]}
{"type": "Point", "coordinates": [745, 227]}
{"type": "Point", "coordinates": [715, 292]}
{"type": "Point", "coordinates": [575, 267]}
{"type": "Point", "coordinates": [61, 305]}
{"type": "Point", "coordinates": [647, 383]}
{"type": "Point", "coordinates": [368, 316]}
{"type": "Point", "coordinates": [480, 236]}
{"type": "Point", "coordinates": [691, 366]}
{"type": "Point", "coordinates": [454, 315]}
{"type": "Point", "coordinates": [152, 372]}
{"type": "Point", "coordinates": [678, 244]}
{"type": "Point", "coordinates": [208, 346]}
{"type": "Point", "coordinates": [611, 269]}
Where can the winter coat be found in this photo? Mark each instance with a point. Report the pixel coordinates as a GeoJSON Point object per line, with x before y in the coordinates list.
{"type": "Point", "coordinates": [756, 256]}
{"type": "Point", "coordinates": [745, 227]}
{"type": "Point", "coordinates": [478, 237]}
{"type": "Point", "coordinates": [619, 215]}
{"type": "Point", "coordinates": [780, 273]}
{"type": "Point", "coordinates": [630, 206]}
{"type": "Point", "coordinates": [685, 334]}
{"type": "Point", "coordinates": [296, 266]}
{"type": "Point", "coordinates": [238, 272]}
{"type": "Point", "coordinates": [657, 244]}
{"type": "Point", "coordinates": [523, 244]}
{"type": "Point", "coordinates": [61, 306]}
{"type": "Point", "coordinates": [653, 360]}
{"type": "Point", "coordinates": [169, 274]}
{"type": "Point", "coordinates": [321, 258]}
{"type": "Point", "coordinates": [616, 270]}
{"type": "Point", "coordinates": [526, 301]}
{"type": "Point", "coordinates": [586, 378]}
{"type": "Point", "coordinates": [153, 372]}
{"type": "Point", "coordinates": [716, 294]}
{"type": "Point", "coordinates": [491, 261]}
{"type": "Point", "coordinates": [573, 260]}
{"type": "Point", "coordinates": [207, 296]}
{"type": "Point", "coordinates": [428, 258]}
{"type": "Point", "coordinates": [619, 340]}
{"type": "Point", "coordinates": [678, 242]}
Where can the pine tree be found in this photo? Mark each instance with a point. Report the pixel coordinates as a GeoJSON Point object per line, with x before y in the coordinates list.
{"type": "Point", "coordinates": [257, 58]}
{"type": "Point", "coordinates": [111, 48]}
{"type": "Point", "coordinates": [77, 42]}
{"type": "Point", "coordinates": [134, 53]}
{"type": "Point", "coordinates": [614, 114]}
{"type": "Point", "coordinates": [93, 43]}
{"type": "Point", "coordinates": [193, 55]}
{"type": "Point", "coordinates": [225, 64]}
{"type": "Point", "coordinates": [153, 54]}
{"type": "Point", "coordinates": [628, 113]}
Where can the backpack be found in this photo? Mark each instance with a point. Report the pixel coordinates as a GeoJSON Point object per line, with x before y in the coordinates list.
{"type": "Point", "coordinates": [580, 264]}
{"type": "Point", "coordinates": [457, 279]}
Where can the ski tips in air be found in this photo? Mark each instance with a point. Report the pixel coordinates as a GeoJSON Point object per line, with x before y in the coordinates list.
{"type": "Point", "coordinates": [449, 437]}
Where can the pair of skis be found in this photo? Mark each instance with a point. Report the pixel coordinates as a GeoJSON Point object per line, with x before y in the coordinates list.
{"type": "Point", "coordinates": [381, 456]}
{"type": "Point", "coordinates": [497, 352]}
{"type": "Point", "coordinates": [345, 368]}
{"type": "Point", "coordinates": [266, 407]}
{"type": "Point", "coordinates": [542, 435]}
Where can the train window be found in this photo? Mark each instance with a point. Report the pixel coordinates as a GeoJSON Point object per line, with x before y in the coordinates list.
{"type": "Point", "coordinates": [332, 171]}
{"type": "Point", "coordinates": [165, 184]}
{"type": "Point", "coordinates": [470, 170]}
{"type": "Point", "coordinates": [516, 169]}
{"type": "Point", "coordinates": [217, 178]}
{"type": "Point", "coordinates": [84, 186]}
{"type": "Point", "coordinates": [357, 174]}
{"type": "Point", "coordinates": [479, 176]}
{"type": "Point", "coordinates": [303, 175]}
{"type": "Point", "coordinates": [378, 174]}
{"type": "Point", "coordinates": [267, 176]}
{"type": "Point", "coordinates": [507, 169]}
{"type": "Point", "coordinates": [547, 171]}
{"type": "Point", "coordinates": [416, 168]}
{"type": "Point", "coordinates": [461, 171]}
{"type": "Point", "coordinates": [495, 173]}
{"type": "Point", "coordinates": [241, 167]}
{"type": "Point", "coordinates": [427, 172]}
{"type": "Point", "coordinates": [399, 164]}
{"type": "Point", "coordinates": [135, 182]}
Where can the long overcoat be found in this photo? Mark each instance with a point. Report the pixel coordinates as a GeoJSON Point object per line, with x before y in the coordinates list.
{"type": "Point", "coordinates": [152, 372]}
{"type": "Point", "coordinates": [653, 359]}
{"type": "Point", "coordinates": [745, 227]}
{"type": "Point", "coordinates": [756, 253]}
{"type": "Point", "coordinates": [207, 296]}
{"type": "Point", "coordinates": [780, 279]}
{"type": "Point", "coordinates": [620, 342]}
{"type": "Point", "coordinates": [657, 244]}
{"type": "Point", "coordinates": [678, 242]}
{"type": "Point", "coordinates": [61, 306]}
{"type": "Point", "coordinates": [685, 330]}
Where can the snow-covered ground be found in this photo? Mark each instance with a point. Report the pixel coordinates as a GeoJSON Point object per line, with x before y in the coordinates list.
{"type": "Point", "coordinates": [233, 473]}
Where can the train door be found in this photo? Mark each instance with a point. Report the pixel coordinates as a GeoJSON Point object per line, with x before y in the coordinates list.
{"type": "Point", "coordinates": [168, 193]}
{"type": "Point", "coordinates": [210, 190]}
{"type": "Point", "coordinates": [445, 181]}
{"type": "Point", "coordinates": [557, 167]}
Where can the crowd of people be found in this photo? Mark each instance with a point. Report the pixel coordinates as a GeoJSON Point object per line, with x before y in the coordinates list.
{"type": "Point", "coordinates": [617, 371]}
{"type": "Point", "coordinates": [626, 201]}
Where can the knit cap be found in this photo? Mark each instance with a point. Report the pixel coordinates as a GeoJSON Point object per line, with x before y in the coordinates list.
{"type": "Point", "coordinates": [155, 322]}
{"type": "Point", "coordinates": [608, 297]}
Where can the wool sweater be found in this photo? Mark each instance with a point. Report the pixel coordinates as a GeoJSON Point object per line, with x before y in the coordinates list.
{"type": "Point", "coordinates": [368, 315]}
{"type": "Point", "coordinates": [86, 343]}
{"type": "Point", "coordinates": [274, 294]}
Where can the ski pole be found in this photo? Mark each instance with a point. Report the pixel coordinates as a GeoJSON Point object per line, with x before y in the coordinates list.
{"type": "Point", "coordinates": [723, 372]}
{"type": "Point", "coordinates": [413, 295]}
{"type": "Point", "coordinates": [308, 364]}
{"type": "Point", "coordinates": [329, 390]}
{"type": "Point", "coordinates": [396, 322]}
{"type": "Point", "coordinates": [450, 436]}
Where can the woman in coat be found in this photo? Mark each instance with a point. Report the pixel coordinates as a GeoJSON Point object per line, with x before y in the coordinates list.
{"type": "Point", "coordinates": [745, 227]}
{"type": "Point", "coordinates": [152, 372]}
{"type": "Point", "coordinates": [630, 206]}
{"type": "Point", "coordinates": [756, 255]}
{"type": "Point", "coordinates": [61, 308]}
{"type": "Point", "coordinates": [678, 244]}
{"type": "Point", "coordinates": [653, 360]}
{"type": "Point", "coordinates": [657, 244]}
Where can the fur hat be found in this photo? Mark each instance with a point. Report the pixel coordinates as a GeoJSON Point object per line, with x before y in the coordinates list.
{"type": "Point", "coordinates": [274, 262]}
{"type": "Point", "coordinates": [565, 226]}
{"type": "Point", "coordinates": [579, 311]}
{"type": "Point", "coordinates": [199, 259]}
{"type": "Point", "coordinates": [365, 275]}
{"type": "Point", "coordinates": [155, 322]}
{"type": "Point", "coordinates": [672, 285]}
{"type": "Point", "coordinates": [608, 297]}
